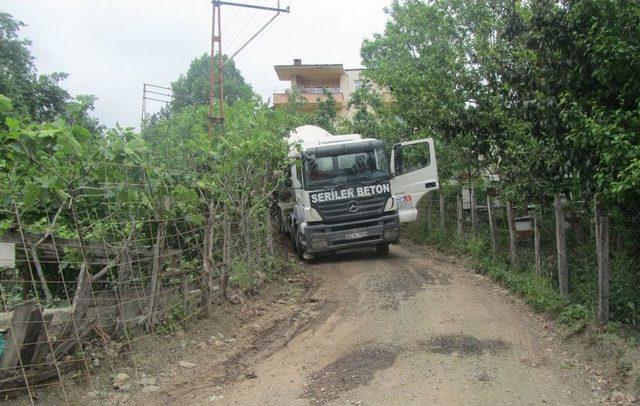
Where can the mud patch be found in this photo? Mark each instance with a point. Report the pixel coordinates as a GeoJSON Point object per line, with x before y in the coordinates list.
{"type": "Point", "coordinates": [461, 344]}
{"type": "Point", "coordinates": [272, 336]}
{"type": "Point", "coordinates": [402, 283]}
{"type": "Point", "coordinates": [348, 372]}
{"type": "Point", "coordinates": [433, 277]}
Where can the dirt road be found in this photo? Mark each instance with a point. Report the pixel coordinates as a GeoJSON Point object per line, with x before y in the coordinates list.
{"type": "Point", "coordinates": [407, 329]}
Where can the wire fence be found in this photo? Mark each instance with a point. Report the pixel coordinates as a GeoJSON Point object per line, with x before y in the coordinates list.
{"type": "Point", "coordinates": [556, 243]}
{"type": "Point", "coordinates": [114, 264]}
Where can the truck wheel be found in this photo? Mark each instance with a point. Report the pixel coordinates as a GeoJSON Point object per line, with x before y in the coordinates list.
{"type": "Point", "coordinates": [382, 249]}
{"type": "Point", "coordinates": [281, 225]}
{"type": "Point", "coordinates": [298, 245]}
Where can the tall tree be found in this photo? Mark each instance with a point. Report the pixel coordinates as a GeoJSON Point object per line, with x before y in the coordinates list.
{"type": "Point", "coordinates": [192, 88]}
{"type": "Point", "coordinates": [37, 96]}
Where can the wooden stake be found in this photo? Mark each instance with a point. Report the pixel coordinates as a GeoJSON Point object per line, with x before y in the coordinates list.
{"type": "Point", "coordinates": [156, 279]}
{"type": "Point", "coordinates": [492, 224]}
{"type": "Point", "coordinates": [602, 246]}
{"type": "Point", "coordinates": [536, 243]}
{"type": "Point", "coordinates": [429, 212]}
{"type": "Point", "coordinates": [513, 255]}
{"type": "Point", "coordinates": [460, 214]}
{"type": "Point", "coordinates": [441, 194]}
{"type": "Point", "coordinates": [472, 205]}
{"type": "Point", "coordinates": [561, 247]}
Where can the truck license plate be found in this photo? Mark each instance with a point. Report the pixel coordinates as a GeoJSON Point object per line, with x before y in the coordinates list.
{"type": "Point", "coordinates": [353, 236]}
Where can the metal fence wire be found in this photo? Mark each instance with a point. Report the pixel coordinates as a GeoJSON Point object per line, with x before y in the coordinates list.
{"type": "Point", "coordinates": [459, 216]}
{"type": "Point", "coordinates": [100, 272]}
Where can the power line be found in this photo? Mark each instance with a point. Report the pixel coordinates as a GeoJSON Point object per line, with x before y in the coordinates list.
{"type": "Point", "coordinates": [145, 92]}
{"type": "Point", "coordinates": [254, 36]}
{"type": "Point", "coordinates": [216, 37]}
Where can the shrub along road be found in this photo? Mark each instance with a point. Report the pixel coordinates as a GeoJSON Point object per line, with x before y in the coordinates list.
{"type": "Point", "coordinates": [412, 328]}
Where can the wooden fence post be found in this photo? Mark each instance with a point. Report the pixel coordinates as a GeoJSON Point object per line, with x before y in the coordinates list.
{"type": "Point", "coordinates": [492, 224]}
{"type": "Point", "coordinates": [207, 262]}
{"type": "Point", "coordinates": [536, 243]}
{"type": "Point", "coordinates": [602, 246]}
{"type": "Point", "coordinates": [441, 195]}
{"type": "Point", "coordinates": [472, 206]}
{"type": "Point", "coordinates": [561, 247]}
{"type": "Point", "coordinates": [513, 256]}
{"type": "Point", "coordinates": [226, 254]}
{"type": "Point", "coordinates": [429, 212]}
{"type": "Point", "coordinates": [156, 278]}
{"type": "Point", "coordinates": [460, 213]}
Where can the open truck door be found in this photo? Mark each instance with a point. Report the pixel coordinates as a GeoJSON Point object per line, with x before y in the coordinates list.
{"type": "Point", "coordinates": [415, 173]}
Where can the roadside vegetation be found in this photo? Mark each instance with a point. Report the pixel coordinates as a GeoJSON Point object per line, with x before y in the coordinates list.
{"type": "Point", "coordinates": [527, 101]}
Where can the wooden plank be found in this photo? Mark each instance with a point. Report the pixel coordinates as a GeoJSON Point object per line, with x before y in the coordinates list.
{"type": "Point", "coordinates": [34, 328]}
{"type": "Point", "coordinates": [98, 253]}
{"type": "Point", "coordinates": [41, 346]}
{"type": "Point", "coordinates": [19, 330]}
{"type": "Point", "coordinates": [561, 247]}
{"type": "Point", "coordinates": [7, 255]}
{"type": "Point", "coordinates": [36, 375]}
{"type": "Point", "coordinates": [80, 325]}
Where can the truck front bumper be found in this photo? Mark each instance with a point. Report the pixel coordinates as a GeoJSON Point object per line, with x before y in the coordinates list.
{"type": "Point", "coordinates": [321, 237]}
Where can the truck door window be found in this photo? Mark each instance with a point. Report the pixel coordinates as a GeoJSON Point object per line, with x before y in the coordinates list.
{"type": "Point", "coordinates": [411, 157]}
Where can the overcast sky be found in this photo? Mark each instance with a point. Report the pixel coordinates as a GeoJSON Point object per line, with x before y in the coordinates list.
{"type": "Point", "coordinates": [110, 47]}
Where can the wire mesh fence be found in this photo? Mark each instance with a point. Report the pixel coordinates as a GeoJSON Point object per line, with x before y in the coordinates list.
{"type": "Point", "coordinates": [118, 262]}
{"type": "Point", "coordinates": [526, 242]}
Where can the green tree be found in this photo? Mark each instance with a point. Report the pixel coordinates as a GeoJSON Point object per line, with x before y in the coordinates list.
{"type": "Point", "coordinates": [430, 57]}
{"type": "Point", "coordinates": [37, 96]}
{"type": "Point", "coordinates": [326, 113]}
{"type": "Point", "coordinates": [192, 88]}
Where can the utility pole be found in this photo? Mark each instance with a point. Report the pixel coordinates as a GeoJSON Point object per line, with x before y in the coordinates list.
{"type": "Point", "coordinates": [155, 91]}
{"type": "Point", "coordinates": [216, 72]}
{"type": "Point", "coordinates": [212, 69]}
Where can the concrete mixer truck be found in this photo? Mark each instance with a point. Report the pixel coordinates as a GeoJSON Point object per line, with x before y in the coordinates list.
{"type": "Point", "coordinates": [341, 193]}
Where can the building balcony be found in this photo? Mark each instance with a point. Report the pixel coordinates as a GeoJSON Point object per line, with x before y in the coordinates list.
{"type": "Point", "coordinates": [311, 97]}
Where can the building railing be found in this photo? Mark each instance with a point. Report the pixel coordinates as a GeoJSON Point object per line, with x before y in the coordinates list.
{"type": "Point", "coordinates": [315, 90]}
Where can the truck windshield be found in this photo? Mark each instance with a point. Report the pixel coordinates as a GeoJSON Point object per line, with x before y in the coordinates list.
{"type": "Point", "coordinates": [346, 168]}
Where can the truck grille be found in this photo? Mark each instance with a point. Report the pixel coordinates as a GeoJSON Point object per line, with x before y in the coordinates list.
{"type": "Point", "coordinates": [370, 206]}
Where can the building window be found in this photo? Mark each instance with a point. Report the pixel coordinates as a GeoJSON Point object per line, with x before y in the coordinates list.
{"type": "Point", "coordinates": [357, 84]}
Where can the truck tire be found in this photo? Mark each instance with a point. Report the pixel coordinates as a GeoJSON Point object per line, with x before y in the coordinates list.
{"type": "Point", "coordinates": [298, 245]}
{"type": "Point", "coordinates": [382, 249]}
{"type": "Point", "coordinates": [283, 229]}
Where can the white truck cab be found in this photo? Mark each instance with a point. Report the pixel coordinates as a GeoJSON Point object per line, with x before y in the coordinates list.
{"type": "Point", "coordinates": [341, 192]}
